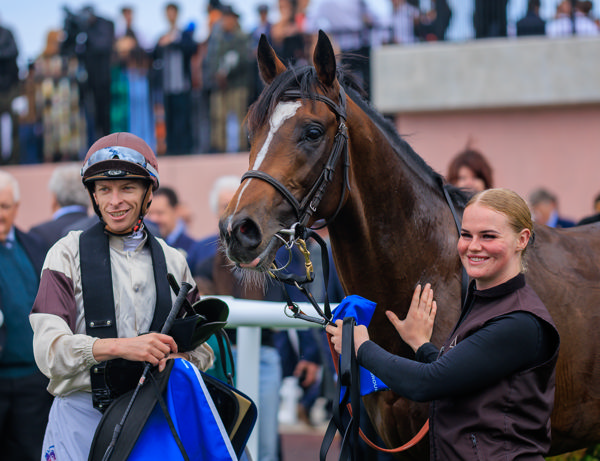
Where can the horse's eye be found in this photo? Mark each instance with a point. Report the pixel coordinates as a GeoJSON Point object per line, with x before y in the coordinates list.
{"type": "Point", "coordinates": [312, 133]}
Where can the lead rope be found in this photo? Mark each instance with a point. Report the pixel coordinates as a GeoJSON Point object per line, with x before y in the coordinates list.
{"type": "Point", "coordinates": [324, 319]}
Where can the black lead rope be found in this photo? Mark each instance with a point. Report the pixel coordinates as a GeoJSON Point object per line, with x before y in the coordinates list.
{"type": "Point", "coordinates": [350, 378]}
{"type": "Point", "coordinates": [301, 282]}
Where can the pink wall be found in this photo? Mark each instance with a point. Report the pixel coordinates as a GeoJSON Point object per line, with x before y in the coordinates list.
{"type": "Point", "coordinates": [557, 148]}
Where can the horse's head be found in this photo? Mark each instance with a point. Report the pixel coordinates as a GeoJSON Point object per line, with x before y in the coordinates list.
{"type": "Point", "coordinates": [298, 144]}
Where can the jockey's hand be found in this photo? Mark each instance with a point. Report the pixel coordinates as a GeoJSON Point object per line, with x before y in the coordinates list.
{"type": "Point", "coordinates": [360, 335]}
{"type": "Point", "coordinates": [153, 348]}
{"type": "Point", "coordinates": [416, 329]}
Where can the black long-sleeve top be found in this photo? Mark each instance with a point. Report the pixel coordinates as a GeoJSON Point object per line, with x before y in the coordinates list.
{"type": "Point", "coordinates": [507, 344]}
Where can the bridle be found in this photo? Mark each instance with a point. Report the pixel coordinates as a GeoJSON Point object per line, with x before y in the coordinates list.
{"type": "Point", "coordinates": [305, 208]}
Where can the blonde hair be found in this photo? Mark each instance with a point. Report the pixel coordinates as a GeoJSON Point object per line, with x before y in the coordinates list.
{"type": "Point", "coordinates": [511, 205]}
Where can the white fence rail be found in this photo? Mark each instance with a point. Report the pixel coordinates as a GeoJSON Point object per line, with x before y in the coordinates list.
{"type": "Point", "coordinates": [249, 316]}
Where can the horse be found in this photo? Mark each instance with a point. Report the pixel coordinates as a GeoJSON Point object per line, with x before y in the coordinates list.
{"type": "Point", "coordinates": [319, 151]}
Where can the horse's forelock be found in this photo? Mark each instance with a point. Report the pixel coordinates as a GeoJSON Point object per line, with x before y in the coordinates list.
{"type": "Point", "coordinates": [294, 78]}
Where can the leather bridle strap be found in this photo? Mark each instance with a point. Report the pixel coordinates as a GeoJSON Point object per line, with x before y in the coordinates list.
{"type": "Point", "coordinates": [309, 204]}
{"type": "Point", "coordinates": [258, 174]}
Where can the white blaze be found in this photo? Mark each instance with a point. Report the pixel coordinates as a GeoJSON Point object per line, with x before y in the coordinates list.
{"type": "Point", "coordinates": [282, 112]}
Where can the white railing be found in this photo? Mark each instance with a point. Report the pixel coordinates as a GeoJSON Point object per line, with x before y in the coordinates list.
{"type": "Point", "coordinates": [249, 316]}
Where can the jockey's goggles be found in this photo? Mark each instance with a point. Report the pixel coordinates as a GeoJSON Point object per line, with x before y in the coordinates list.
{"type": "Point", "coordinates": [120, 153]}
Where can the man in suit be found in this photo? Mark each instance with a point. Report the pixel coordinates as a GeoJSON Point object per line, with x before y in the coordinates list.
{"type": "Point", "coordinates": [544, 208]}
{"type": "Point", "coordinates": [595, 217]}
{"type": "Point", "coordinates": [164, 211]}
{"type": "Point", "coordinates": [24, 401]}
{"type": "Point", "coordinates": [489, 18]}
{"type": "Point", "coordinates": [69, 204]}
{"type": "Point", "coordinates": [173, 55]}
{"type": "Point", "coordinates": [531, 23]}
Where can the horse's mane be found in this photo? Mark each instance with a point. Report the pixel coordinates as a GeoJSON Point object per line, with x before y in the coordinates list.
{"type": "Point", "coordinates": [304, 79]}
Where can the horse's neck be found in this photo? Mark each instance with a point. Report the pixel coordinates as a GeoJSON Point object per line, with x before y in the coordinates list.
{"type": "Point", "coordinates": [392, 191]}
{"type": "Point", "coordinates": [396, 226]}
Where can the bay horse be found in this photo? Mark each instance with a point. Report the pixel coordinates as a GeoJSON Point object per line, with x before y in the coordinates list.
{"type": "Point", "coordinates": [391, 227]}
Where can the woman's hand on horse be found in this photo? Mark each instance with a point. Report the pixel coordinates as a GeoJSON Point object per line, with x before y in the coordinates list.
{"type": "Point", "coordinates": [416, 329]}
{"type": "Point", "coordinates": [153, 348]}
{"type": "Point", "coordinates": [360, 335]}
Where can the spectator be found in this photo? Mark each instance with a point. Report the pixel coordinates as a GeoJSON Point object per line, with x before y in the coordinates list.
{"type": "Point", "coordinates": [115, 272]}
{"type": "Point", "coordinates": [264, 24]}
{"type": "Point", "coordinates": [30, 128]}
{"type": "Point", "coordinates": [61, 100]}
{"type": "Point", "coordinates": [286, 36]}
{"type": "Point", "coordinates": [173, 56]}
{"type": "Point", "coordinates": [134, 62]}
{"type": "Point", "coordinates": [9, 89]}
{"type": "Point", "coordinates": [531, 23]}
{"type": "Point", "coordinates": [264, 27]}
{"type": "Point", "coordinates": [96, 56]}
{"type": "Point", "coordinates": [229, 64]}
{"type": "Point", "coordinates": [220, 195]}
{"type": "Point", "coordinates": [164, 211]}
{"type": "Point", "coordinates": [206, 81]}
{"type": "Point", "coordinates": [544, 207]}
{"type": "Point", "coordinates": [349, 24]}
{"type": "Point", "coordinates": [470, 170]}
{"type": "Point", "coordinates": [489, 18]}
{"type": "Point", "coordinates": [69, 204]}
{"type": "Point", "coordinates": [433, 24]}
{"type": "Point", "coordinates": [594, 217]}
{"type": "Point", "coordinates": [24, 401]}
{"type": "Point", "coordinates": [403, 21]}
{"type": "Point", "coordinates": [571, 22]}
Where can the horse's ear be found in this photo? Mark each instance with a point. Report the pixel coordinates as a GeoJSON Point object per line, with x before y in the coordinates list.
{"type": "Point", "coordinates": [269, 65]}
{"type": "Point", "coordinates": [324, 59]}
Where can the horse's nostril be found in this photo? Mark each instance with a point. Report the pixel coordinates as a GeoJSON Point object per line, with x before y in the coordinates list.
{"type": "Point", "coordinates": [247, 233]}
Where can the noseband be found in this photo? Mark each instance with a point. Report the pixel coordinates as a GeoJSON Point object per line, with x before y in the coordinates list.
{"type": "Point", "coordinates": [304, 209]}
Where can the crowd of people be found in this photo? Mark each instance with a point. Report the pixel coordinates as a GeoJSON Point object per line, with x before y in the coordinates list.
{"type": "Point", "coordinates": [187, 96]}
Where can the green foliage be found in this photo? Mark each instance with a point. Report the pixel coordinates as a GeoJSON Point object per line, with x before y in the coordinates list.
{"type": "Point", "coordinates": [591, 454]}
